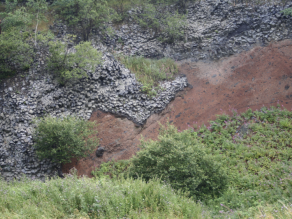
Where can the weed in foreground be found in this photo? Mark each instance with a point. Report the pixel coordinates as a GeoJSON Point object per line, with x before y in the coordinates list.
{"type": "Point", "coordinates": [74, 197]}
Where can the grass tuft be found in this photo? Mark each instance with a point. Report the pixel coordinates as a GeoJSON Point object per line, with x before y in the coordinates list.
{"type": "Point", "coordinates": [150, 72]}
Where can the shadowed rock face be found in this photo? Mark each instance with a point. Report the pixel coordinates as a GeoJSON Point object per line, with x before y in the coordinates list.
{"type": "Point", "coordinates": [261, 76]}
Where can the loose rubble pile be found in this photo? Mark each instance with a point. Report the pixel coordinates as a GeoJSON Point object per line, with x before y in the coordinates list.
{"type": "Point", "coordinates": [216, 29]}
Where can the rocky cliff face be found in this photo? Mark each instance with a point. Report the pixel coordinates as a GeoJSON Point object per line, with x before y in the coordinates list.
{"type": "Point", "coordinates": [216, 29]}
{"type": "Point", "coordinates": [111, 88]}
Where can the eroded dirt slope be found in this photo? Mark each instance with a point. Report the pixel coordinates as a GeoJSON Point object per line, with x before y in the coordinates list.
{"type": "Point", "coordinates": [262, 76]}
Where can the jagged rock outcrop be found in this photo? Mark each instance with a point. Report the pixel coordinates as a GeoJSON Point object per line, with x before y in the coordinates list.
{"type": "Point", "coordinates": [215, 29]}
{"type": "Point", "coordinates": [111, 88]}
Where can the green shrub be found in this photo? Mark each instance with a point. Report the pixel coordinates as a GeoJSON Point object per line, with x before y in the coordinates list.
{"type": "Point", "coordinates": [179, 159]}
{"type": "Point", "coordinates": [253, 149]}
{"type": "Point", "coordinates": [149, 72]}
{"type": "Point", "coordinates": [122, 7]}
{"type": "Point", "coordinates": [68, 65]}
{"type": "Point", "coordinates": [88, 198]}
{"type": "Point", "coordinates": [84, 15]}
{"type": "Point", "coordinates": [287, 11]}
{"type": "Point", "coordinates": [61, 139]}
{"type": "Point", "coordinates": [16, 53]}
{"type": "Point", "coordinates": [111, 169]}
{"type": "Point", "coordinates": [158, 18]}
{"type": "Point", "coordinates": [17, 40]}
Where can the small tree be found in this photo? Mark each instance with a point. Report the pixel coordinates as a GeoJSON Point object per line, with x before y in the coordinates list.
{"type": "Point", "coordinates": [180, 160]}
{"type": "Point", "coordinates": [74, 64]}
{"type": "Point", "coordinates": [158, 18]}
{"type": "Point", "coordinates": [61, 139]}
{"type": "Point", "coordinates": [84, 14]}
{"type": "Point", "coordinates": [17, 50]}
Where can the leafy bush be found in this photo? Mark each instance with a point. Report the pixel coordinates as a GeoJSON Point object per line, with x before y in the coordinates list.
{"type": "Point", "coordinates": [84, 14]}
{"type": "Point", "coordinates": [111, 169]}
{"type": "Point", "coordinates": [253, 149]}
{"type": "Point", "coordinates": [149, 72]}
{"type": "Point", "coordinates": [69, 64]}
{"type": "Point", "coordinates": [158, 18]}
{"type": "Point", "coordinates": [17, 50]}
{"type": "Point", "coordinates": [61, 139]}
{"type": "Point", "coordinates": [88, 198]}
{"type": "Point", "coordinates": [122, 7]}
{"type": "Point", "coordinates": [179, 159]}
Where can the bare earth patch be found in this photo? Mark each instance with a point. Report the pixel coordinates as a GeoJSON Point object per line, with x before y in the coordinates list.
{"type": "Point", "coordinates": [261, 76]}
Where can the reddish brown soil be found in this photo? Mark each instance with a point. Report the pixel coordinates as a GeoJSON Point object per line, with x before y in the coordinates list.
{"type": "Point", "coordinates": [261, 76]}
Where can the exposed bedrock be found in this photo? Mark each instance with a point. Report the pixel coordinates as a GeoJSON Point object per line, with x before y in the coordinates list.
{"type": "Point", "coordinates": [251, 73]}
{"type": "Point", "coordinates": [111, 88]}
{"type": "Point", "coordinates": [261, 76]}
{"type": "Point", "coordinates": [215, 29]}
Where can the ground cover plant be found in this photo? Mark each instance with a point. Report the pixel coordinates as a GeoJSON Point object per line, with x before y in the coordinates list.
{"type": "Point", "coordinates": [253, 149]}
{"type": "Point", "coordinates": [149, 72]}
{"type": "Point", "coordinates": [112, 169]}
{"type": "Point", "coordinates": [74, 197]}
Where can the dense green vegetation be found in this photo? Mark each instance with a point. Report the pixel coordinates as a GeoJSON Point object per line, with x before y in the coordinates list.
{"type": "Point", "coordinates": [68, 66]}
{"type": "Point", "coordinates": [149, 72]}
{"type": "Point", "coordinates": [253, 149]}
{"type": "Point", "coordinates": [61, 139]}
{"type": "Point", "coordinates": [238, 166]}
{"type": "Point", "coordinates": [89, 198]}
{"type": "Point", "coordinates": [24, 32]}
{"type": "Point", "coordinates": [87, 14]}
{"type": "Point", "coordinates": [21, 39]}
{"type": "Point", "coordinates": [181, 161]}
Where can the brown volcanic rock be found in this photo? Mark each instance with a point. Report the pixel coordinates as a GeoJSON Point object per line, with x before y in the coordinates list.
{"type": "Point", "coordinates": [261, 76]}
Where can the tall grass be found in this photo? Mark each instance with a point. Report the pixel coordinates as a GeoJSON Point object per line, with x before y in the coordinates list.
{"type": "Point", "coordinates": [74, 197]}
{"type": "Point", "coordinates": [149, 72]}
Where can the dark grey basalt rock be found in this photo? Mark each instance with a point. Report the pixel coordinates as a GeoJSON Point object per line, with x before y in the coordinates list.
{"type": "Point", "coordinates": [216, 29]}
{"type": "Point", "coordinates": [111, 88]}
{"type": "Point", "coordinates": [100, 151]}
